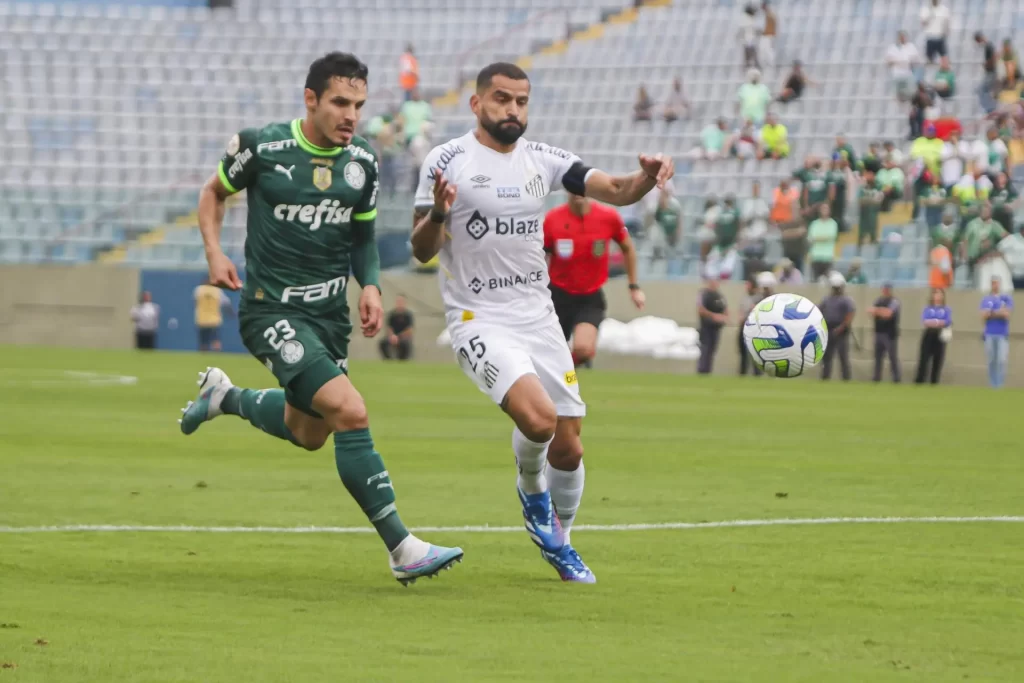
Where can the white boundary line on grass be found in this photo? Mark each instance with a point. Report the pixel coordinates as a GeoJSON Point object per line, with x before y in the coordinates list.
{"type": "Point", "coordinates": [109, 528]}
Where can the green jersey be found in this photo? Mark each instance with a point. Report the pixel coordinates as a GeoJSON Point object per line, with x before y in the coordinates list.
{"type": "Point", "coordinates": [1002, 210]}
{"type": "Point", "coordinates": [947, 77]}
{"type": "Point", "coordinates": [837, 179]}
{"type": "Point", "coordinates": [802, 174]}
{"type": "Point", "coordinates": [933, 195]}
{"type": "Point", "coordinates": [980, 231]}
{"type": "Point", "coordinates": [945, 231]}
{"type": "Point", "coordinates": [727, 227]}
{"type": "Point", "coordinates": [856, 277]}
{"type": "Point", "coordinates": [869, 199]}
{"type": "Point", "coordinates": [308, 207]}
{"type": "Point", "coordinates": [846, 152]}
{"type": "Point", "coordinates": [817, 188]}
{"type": "Point", "coordinates": [667, 218]}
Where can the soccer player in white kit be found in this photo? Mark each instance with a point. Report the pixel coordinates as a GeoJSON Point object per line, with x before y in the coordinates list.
{"type": "Point", "coordinates": [480, 207]}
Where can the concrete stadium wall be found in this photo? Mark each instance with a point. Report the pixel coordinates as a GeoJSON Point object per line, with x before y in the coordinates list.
{"type": "Point", "coordinates": [965, 356]}
{"type": "Point", "coordinates": [80, 306]}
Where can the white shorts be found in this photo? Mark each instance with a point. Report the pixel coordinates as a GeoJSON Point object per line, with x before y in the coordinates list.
{"type": "Point", "coordinates": [495, 356]}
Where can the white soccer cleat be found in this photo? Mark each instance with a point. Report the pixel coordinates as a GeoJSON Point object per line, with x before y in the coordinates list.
{"type": "Point", "coordinates": [214, 384]}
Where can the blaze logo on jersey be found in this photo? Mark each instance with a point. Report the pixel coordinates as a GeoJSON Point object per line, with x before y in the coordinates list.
{"type": "Point", "coordinates": [328, 212]}
{"type": "Point", "coordinates": [535, 187]}
{"type": "Point", "coordinates": [317, 292]}
{"type": "Point", "coordinates": [477, 226]}
{"type": "Point", "coordinates": [322, 178]}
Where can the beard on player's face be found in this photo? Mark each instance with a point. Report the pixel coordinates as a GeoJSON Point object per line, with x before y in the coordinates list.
{"type": "Point", "coordinates": [505, 131]}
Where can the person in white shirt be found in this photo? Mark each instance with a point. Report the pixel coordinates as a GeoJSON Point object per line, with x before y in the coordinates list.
{"type": "Point", "coordinates": [902, 58]}
{"type": "Point", "coordinates": [749, 33]}
{"type": "Point", "coordinates": [954, 154]}
{"type": "Point", "coordinates": [935, 20]}
{"type": "Point", "coordinates": [146, 316]}
{"type": "Point", "coordinates": [479, 208]}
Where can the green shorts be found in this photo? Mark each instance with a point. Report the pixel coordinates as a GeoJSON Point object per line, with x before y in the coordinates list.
{"type": "Point", "coordinates": [304, 352]}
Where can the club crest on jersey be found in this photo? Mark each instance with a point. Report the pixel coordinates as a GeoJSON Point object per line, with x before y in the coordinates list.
{"type": "Point", "coordinates": [233, 145]}
{"type": "Point", "coordinates": [354, 175]}
{"type": "Point", "coordinates": [322, 178]}
{"type": "Point", "coordinates": [535, 188]}
{"type": "Point", "coordinates": [598, 248]}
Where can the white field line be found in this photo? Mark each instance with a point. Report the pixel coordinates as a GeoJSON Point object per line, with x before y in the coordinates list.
{"type": "Point", "coordinates": [814, 521]}
{"type": "Point", "coordinates": [74, 377]}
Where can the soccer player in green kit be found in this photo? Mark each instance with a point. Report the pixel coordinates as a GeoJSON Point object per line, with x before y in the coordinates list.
{"type": "Point", "coordinates": [312, 192]}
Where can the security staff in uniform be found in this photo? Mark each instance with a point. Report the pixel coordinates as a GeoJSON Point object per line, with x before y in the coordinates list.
{"type": "Point", "coordinates": [712, 311]}
{"type": "Point", "coordinates": [886, 313]}
{"type": "Point", "coordinates": [838, 310]}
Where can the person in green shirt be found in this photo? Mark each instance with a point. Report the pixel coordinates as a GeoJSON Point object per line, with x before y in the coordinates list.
{"type": "Point", "coordinates": [872, 160]}
{"type": "Point", "coordinates": [946, 232]}
{"type": "Point", "coordinates": [892, 180]}
{"type": "Point", "coordinates": [945, 80]}
{"type": "Point", "coordinates": [816, 189]}
{"type": "Point", "coordinates": [970, 195]}
{"type": "Point", "coordinates": [802, 174]}
{"type": "Point", "coordinates": [668, 218]}
{"type": "Point", "coordinates": [844, 150]}
{"type": "Point", "coordinates": [855, 274]}
{"type": "Point", "coordinates": [933, 197]}
{"type": "Point", "coordinates": [836, 179]}
{"type": "Point", "coordinates": [982, 236]}
{"type": "Point", "coordinates": [822, 234]}
{"type": "Point", "coordinates": [414, 113]}
{"type": "Point", "coordinates": [753, 98]}
{"type": "Point", "coordinates": [869, 202]}
{"type": "Point", "coordinates": [1003, 197]}
{"type": "Point", "coordinates": [724, 256]}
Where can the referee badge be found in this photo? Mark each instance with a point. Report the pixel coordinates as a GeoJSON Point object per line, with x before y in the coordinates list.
{"type": "Point", "coordinates": [598, 248]}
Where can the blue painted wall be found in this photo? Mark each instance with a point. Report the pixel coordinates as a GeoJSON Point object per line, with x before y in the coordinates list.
{"type": "Point", "coordinates": [172, 290]}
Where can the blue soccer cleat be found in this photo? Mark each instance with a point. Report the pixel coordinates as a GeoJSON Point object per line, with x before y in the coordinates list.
{"type": "Point", "coordinates": [540, 520]}
{"type": "Point", "coordinates": [437, 559]}
{"type": "Point", "coordinates": [213, 387]}
{"type": "Point", "coordinates": [569, 565]}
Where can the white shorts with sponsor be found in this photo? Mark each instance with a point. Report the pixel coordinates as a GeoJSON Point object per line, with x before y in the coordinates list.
{"type": "Point", "coordinates": [494, 356]}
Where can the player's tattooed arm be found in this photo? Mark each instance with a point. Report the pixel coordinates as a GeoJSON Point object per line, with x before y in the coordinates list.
{"type": "Point", "coordinates": [654, 171]}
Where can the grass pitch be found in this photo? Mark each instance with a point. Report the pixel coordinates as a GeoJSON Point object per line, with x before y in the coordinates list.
{"type": "Point", "coordinates": [845, 602]}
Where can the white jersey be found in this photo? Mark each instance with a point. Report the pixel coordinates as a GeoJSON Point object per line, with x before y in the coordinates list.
{"type": "Point", "coordinates": [493, 265]}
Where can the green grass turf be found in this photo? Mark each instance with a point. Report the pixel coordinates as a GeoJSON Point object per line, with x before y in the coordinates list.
{"type": "Point", "coordinates": [893, 602]}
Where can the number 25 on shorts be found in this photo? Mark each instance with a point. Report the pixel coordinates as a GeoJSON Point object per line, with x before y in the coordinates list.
{"type": "Point", "coordinates": [278, 333]}
{"type": "Point", "coordinates": [477, 348]}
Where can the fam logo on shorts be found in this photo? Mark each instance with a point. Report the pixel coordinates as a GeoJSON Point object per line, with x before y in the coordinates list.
{"type": "Point", "coordinates": [355, 175]}
{"type": "Point", "coordinates": [535, 188]}
{"type": "Point", "coordinates": [292, 351]}
{"type": "Point", "coordinates": [570, 377]}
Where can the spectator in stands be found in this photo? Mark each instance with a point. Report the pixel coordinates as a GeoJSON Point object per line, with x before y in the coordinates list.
{"type": "Point", "coordinates": [676, 104]}
{"type": "Point", "coordinates": [1003, 198]}
{"type": "Point", "coordinates": [921, 101]}
{"type": "Point", "coordinates": [855, 273]}
{"type": "Point", "coordinates": [794, 85]}
{"type": "Point", "coordinates": [934, 197]}
{"type": "Point", "coordinates": [415, 112]}
{"type": "Point", "coordinates": [872, 160]}
{"type": "Point", "coordinates": [753, 98]}
{"type": "Point", "coordinates": [398, 341]}
{"type": "Point", "coordinates": [1008, 65]}
{"type": "Point", "coordinates": [838, 179]}
{"type": "Point", "coordinates": [643, 106]}
{"type": "Point", "coordinates": [940, 273]}
{"type": "Point", "coordinates": [753, 237]}
{"type": "Point", "coordinates": [715, 142]}
{"type": "Point", "coordinates": [996, 309]}
{"type": "Point", "coordinates": [748, 35]}
{"type": "Point", "coordinates": [935, 19]}
{"type": "Point", "coordinates": [838, 310]}
{"type": "Point", "coordinates": [928, 149]}
{"type": "Point", "coordinates": [706, 231]}
{"type": "Point", "coordinates": [751, 297]}
{"type": "Point", "coordinates": [954, 159]}
{"type": "Point", "coordinates": [768, 34]}
{"type": "Point", "coordinates": [724, 255]}
{"type": "Point", "coordinates": [944, 83]}
{"type": "Point", "coordinates": [886, 313]}
{"type": "Point", "coordinates": [937, 320]}
{"type": "Point", "coordinates": [815, 190]}
{"type": "Point", "coordinates": [146, 317]}
{"type": "Point", "coordinates": [870, 196]}
{"type": "Point", "coordinates": [891, 151]}
{"type": "Point", "coordinates": [822, 233]}
{"type": "Point", "coordinates": [666, 225]}
{"type": "Point", "coordinates": [981, 240]}
{"type": "Point", "coordinates": [786, 217]}
{"type": "Point", "coordinates": [774, 138]}
{"type": "Point", "coordinates": [408, 72]}
{"type": "Point", "coordinates": [971, 192]}
{"type": "Point", "coordinates": [902, 59]}
{"type": "Point", "coordinates": [419, 148]}
{"type": "Point", "coordinates": [211, 303]}
{"type": "Point", "coordinates": [712, 312]}
{"type": "Point", "coordinates": [746, 143]}
{"type": "Point", "coordinates": [788, 273]}
{"type": "Point", "coordinates": [388, 151]}
{"type": "Point", "coordinates": [893, 182]}
{"type": "Point", "coordinates": [996, 152]}
{"type": "Point", "coordinates": [990, 79]}
{"type": "Point", "coordinates": [844, 150]}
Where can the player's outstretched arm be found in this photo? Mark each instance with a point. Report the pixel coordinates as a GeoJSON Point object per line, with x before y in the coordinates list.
{"type": "Point", "coordinates": [654, 171]}
{"type": "Point", "coordinates": [212, 205]}
{"type": "Point", "coordinates": [429, 222]}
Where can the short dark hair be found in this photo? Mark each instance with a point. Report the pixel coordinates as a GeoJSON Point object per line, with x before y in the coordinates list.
{"type": "Point", "coordinates": [506, 69]}
{"type": "Point", "coordinates": [334, 65]}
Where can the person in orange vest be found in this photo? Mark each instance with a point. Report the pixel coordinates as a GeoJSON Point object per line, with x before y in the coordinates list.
{"type": "Point", "coordinates": [784, 216]}
{"type": "Point", "coordinates": [408, 72]}
{"type": "Point", "coordinates": [941, 260]}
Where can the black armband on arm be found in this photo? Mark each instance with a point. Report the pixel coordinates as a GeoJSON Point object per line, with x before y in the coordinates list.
{"type": "Point", "coordinates": [575, 179]}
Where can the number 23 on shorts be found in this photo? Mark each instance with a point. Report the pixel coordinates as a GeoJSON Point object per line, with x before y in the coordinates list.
{"type": "Point", "coordinates": [278, 333]}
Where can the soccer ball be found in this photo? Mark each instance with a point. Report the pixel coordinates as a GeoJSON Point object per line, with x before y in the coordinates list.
{"type": "Point", "coordinates": [786, 335]}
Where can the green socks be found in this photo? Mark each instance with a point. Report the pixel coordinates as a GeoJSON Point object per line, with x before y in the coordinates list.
{"type": "Point", "coordinates": [363, 474]}
{"type": "Point", "coordinates": [262, 408]}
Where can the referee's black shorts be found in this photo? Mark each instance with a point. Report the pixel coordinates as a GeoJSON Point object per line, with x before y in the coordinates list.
{"type": "Point", "coordinates": [573, 309]}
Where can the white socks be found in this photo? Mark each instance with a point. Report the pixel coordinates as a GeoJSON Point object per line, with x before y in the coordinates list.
{"type": "Point", "coordinates": [566, 493]}
{"type": "Point", "coordinates": [410, 550]}
{"type": "Point", "coordinates": [531, 458]}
